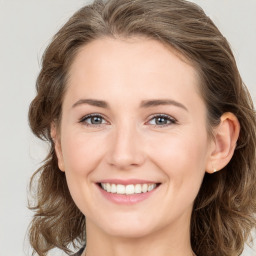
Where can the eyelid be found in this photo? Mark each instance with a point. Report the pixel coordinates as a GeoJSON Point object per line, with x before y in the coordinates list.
{"type": "Point", "coordinates": [170, 118]}
{"type": "Point", "coordinates": [82, 120]}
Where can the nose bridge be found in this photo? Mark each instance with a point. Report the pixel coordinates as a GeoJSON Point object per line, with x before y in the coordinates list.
{"type": "Point", "coordinates": [126, 149]}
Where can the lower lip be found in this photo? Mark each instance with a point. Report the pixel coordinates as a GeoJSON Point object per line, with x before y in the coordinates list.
{"type": "Point", "coordinates": [126, 199]}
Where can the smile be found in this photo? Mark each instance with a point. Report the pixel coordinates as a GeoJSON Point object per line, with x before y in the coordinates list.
{"type": "Point", "coordinates": [129, 189]}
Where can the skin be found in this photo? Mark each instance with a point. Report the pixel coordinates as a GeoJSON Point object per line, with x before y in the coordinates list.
{"type": "Point", "coordinates": [128, 143]}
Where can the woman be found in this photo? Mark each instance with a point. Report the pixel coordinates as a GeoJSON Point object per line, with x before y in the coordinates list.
{"type": "Point", "coordinates": [152, 135]}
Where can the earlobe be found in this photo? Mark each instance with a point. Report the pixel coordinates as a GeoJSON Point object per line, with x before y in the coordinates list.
{"type": "Point", "coordinates": [57, 146]}
{"type": "Point", "coordinates": [225, 138]}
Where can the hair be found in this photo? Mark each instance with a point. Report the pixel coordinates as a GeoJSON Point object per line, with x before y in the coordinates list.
{"type": "Point", "coordinates": [224, 209]}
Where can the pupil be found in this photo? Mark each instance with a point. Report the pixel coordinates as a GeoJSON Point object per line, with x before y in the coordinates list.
{"type": "Point", "coordinates": [161, 120]}
{"type": "Point", "coordinates": [96, 120]}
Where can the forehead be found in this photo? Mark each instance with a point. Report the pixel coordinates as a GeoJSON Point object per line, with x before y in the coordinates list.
{"type": "Point", "coordinates": [104, 49]}
{"type": "Point", "coordinates": [136, 66]}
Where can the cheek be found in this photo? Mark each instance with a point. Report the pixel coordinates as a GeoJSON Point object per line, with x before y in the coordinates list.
{"type": "Point", "coordinates": [182, 157]}
{"type": "Point", "coordinates": [81, 156]}
{"type": "Point", "coordinates": [81, 153]}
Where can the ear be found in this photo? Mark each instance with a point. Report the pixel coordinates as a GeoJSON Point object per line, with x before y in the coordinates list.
{"type": "Point", "coordinates": [224, 144]}
{"type": "Point", "coordinates": [57, 145]}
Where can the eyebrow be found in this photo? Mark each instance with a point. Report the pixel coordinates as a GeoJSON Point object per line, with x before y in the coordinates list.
{"type": "Point", "coordinates": [160, 102]}
{"type": "Point", "coordinates": [144, 104]}
{"type": "Point", "coordinates": [93, 102]}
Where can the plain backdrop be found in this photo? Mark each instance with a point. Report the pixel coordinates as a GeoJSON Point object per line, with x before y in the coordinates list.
{"type": "Point", "coordinates": [26, 28]}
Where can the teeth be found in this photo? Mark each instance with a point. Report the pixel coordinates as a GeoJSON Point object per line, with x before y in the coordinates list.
{"type": "Point", "coordinates": [104, 186]}
{"type": "Point", "coordinates": [108, 187]}
{"type": "Point", "coordinates": [151, 187]}
{"type": "Point", "coordinates": [120, 189]}
{"type": "Point", "coordinates": [138, 189]}
{"type": "Point", "coordinates": [144, 188]}
{"type": "Point", "coordinates": [128, 189]}
{"type": "Point", "coordinates": [113, 188]}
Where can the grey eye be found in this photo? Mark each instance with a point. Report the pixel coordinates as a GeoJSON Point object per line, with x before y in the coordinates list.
{"type": "Point", "coordinates": [162, 120]}
{"type": "Point", "coordinates": [93, 120]}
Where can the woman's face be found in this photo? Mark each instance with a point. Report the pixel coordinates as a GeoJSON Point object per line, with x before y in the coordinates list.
{"type": "Point", "coordinates": [133, 121]}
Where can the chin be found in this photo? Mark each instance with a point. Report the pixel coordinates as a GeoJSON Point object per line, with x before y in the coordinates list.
{"type": "Point", "coordinates": [128, 232]}
{"type": "Point", "coordinates": [128, 227]}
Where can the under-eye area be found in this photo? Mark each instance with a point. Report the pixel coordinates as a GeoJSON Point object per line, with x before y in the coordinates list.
{"type": "Point", "coordinates": [128, 189]}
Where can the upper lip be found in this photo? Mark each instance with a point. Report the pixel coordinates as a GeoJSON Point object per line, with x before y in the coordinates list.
{"type": "Point", "coordinates": [127, 182]}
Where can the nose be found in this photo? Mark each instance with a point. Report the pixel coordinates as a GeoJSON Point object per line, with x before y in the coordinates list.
{"type": "Point", "coordinates": [126, 149]}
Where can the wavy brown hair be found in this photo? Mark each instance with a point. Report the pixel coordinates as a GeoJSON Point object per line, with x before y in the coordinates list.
{"type": "Point", "coordinates": [224, 210]}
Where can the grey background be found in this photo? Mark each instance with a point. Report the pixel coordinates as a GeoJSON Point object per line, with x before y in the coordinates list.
{"type": "Point", "coordinates": [26, 28]}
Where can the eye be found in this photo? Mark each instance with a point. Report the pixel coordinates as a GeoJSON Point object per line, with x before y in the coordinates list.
{"type": "Point", "coordinates": [161, 120]}
{"type": "Point", "coordinates": [93, 120]}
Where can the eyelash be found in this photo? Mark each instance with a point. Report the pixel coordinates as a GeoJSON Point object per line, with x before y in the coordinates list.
{"type": "Point", "coordinates": [167, 118]}
{"type": "Point", "coordinates": [87, 117]}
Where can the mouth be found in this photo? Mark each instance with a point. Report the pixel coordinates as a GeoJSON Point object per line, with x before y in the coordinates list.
{"type": "Point", "coordinates": [129, 189]}
{"type": "Point", "coordinates": [127, 192]}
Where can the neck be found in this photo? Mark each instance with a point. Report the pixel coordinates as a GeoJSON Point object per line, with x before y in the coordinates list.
{"type": "Point", "coordinates": [173, 241]}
